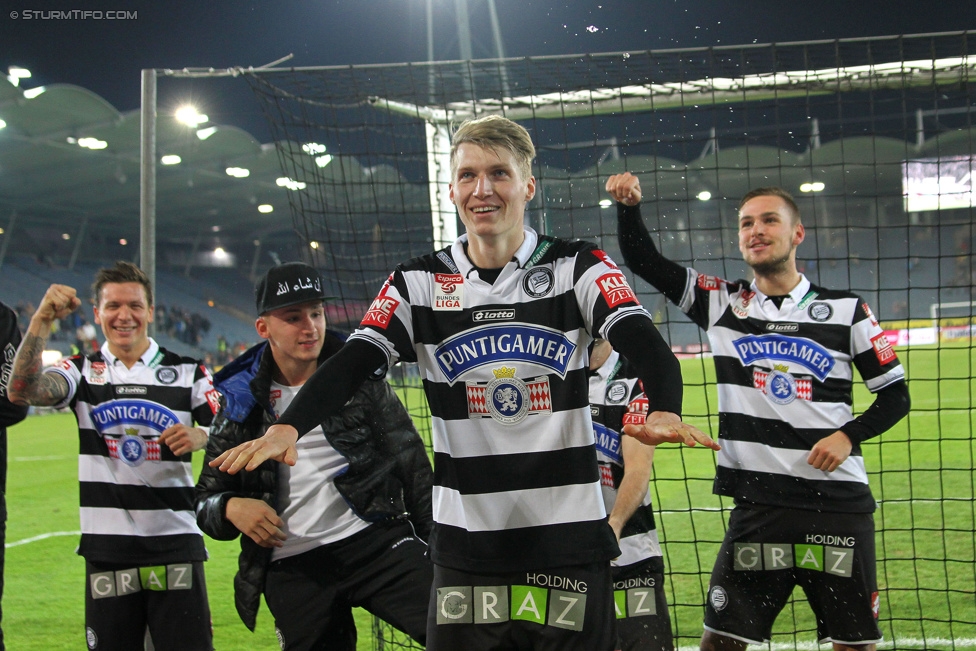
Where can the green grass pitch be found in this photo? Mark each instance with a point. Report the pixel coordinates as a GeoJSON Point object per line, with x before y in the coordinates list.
{"type": "Point", "coordinates": [922, 473]}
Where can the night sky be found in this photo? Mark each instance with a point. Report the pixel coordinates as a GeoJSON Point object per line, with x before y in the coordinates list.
{"type": "Point", "coordinates": [106, 56]}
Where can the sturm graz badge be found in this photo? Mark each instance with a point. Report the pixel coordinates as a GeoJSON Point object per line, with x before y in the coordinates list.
{"type": "Point", "coordinates": [166, 375]}
{"type": "Point", "coordinates": [539, 282]}
{"type": "Point", "coordinates": [132, 450]}
{"type": "Point", "coordinates": [781, 387]}
{"type": "Point", "coordinates": [507, 397]}
{"type": "Point", "coordinates": [718, 597]}
{"type": "Point", "coordinates": [820, 311]}
{"type": "Point", "coordinates": [617, 392]}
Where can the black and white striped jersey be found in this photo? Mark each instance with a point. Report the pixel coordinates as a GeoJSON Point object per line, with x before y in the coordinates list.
{"type": "Point", "coordinates": [616, 399]}
{"type": "Point", "coordinates": [785, 380]}
{"type": "Point", "coordinates": [136, 495]}
{"type": "Point", "coordinates": [504, 369]}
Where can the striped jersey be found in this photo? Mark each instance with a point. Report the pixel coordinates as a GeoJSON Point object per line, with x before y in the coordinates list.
{"type": "Point", "coordinates": [785, 380]}
{"type": "Point", "coordinates": [136, 495]}
{"type": "Point", "coordinates": [516, 483]}
{"type": "Point", "coordinates": [616, 399]}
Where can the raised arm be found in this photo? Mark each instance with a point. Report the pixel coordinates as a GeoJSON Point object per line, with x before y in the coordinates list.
{"type": "Point", "coordinates": [636, 244]}
{"type": "Point", "coordinates": [29, 385]}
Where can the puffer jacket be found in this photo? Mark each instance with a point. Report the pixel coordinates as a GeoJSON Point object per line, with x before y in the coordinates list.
{"type": "Point", "coordinates": [389, 474]}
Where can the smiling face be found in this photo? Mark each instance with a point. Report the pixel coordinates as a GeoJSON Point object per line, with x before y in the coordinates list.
{"type": "Point", "coordinates": [296, 334]}
{"type": "Point", "coordinates": [490, 195]}
{"type": "Point", "coordinates": [124, 313]}
{"type": "Point", "coordinates": [768, 235]}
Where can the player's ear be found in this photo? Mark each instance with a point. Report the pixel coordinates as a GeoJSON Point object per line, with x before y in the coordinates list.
{"type": "Point", "coordinates": [529, 189]}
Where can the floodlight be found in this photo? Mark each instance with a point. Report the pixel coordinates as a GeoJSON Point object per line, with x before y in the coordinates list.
{"type": "Point", "coordinates": [92, 143]}
{"type": "Point", "coordinates": [203, 134]}
{"type": "Point", "coordinates": [265, 208]}
{"type": "Point", "coordinates": [313, 244]}
{"type": "Point", "coordinates": [189, 116]}
{"type": "Point", "coordinates": [605, 203]}
{"type": "Point", "coordinates": [815, 186]}
{"type": "Point", "coordinates": [704, 195]}
{"type": "Point", "coordinates": [34, 92]}
{"type": "Point", "coordinates": [16, 73]}
{"type": "Point", "coordinates": [291, 184]}
{"type": "Point", "coordinates": [2, 123]}
{"type": "Point", "coordinates": [170, 159]}
{"type": "Point", "coordinates": [238, 172]}
{"type": "Point", "coordinates": [313, 148]}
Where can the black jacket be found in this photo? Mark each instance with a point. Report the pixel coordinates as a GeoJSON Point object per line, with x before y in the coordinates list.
{"type": "Point", "coordinates": [389, 474]}
{"type": "Point", "coordinates": [9, 412]}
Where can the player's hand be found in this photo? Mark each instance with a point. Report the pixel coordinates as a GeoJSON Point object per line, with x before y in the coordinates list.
{"type": "Point", "coordinates": [625, 188]}
{"type": "Point", "coordinates": [278, 443]}
{"type": "Point", "coordinates": [182, 439]}
{"type": "Point", "coordinates": [667, 427]}
{"type": "Point", "coordinates": [256, 520]}
{"type": "Point", "coordinates": [59, 301]}
{"type": "Point", "coordinates": [831, 451]}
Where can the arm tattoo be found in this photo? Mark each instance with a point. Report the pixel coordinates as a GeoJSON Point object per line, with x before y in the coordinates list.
{"type": "Point", "coordinates": [32, 385]}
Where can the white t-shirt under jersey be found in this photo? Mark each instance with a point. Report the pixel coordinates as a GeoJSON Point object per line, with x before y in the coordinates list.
{"type": "Point", "coordinates": [314, 512]}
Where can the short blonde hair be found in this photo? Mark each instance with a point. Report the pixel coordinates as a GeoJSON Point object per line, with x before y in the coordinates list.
{"type": "Point", "coordinates": [495, 132]}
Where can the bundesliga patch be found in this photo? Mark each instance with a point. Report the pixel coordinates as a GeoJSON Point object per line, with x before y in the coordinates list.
{"type": "Point", "coordinates": [98, 371]}
{"type": "Point", "coordinates": [883, 349]}
{"type": "Point", "coordinates": [740, 306]}
{"type": "Point", "coordinates": [615, 289]}
{"type": "Point", "coordinates": [781, 387]}
{"type": "Point", "coordinates": [448, 292]}
{"type": "Point", "coordinates": [507, 399]}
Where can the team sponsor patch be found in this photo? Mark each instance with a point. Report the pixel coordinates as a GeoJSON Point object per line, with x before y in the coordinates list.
{"type": "Point", "coordinates": [539, 282]}
{"type": "Point", "coordinates": [708, 283]}
{"type": "Point", "coordinates": [166, 375]}
{"type": "Point", "coordinates": [883, 349]}
{"type": "Point", "coordinates": [803, 352]}
{"type": "Point", "coordinates": [606, 475]}
{"type": "Point", "coordinates": [635, 602]}
{"type": "Point", "coordinates": [509, 343]}
{"type": "Point", "coordinates": [66, 364]}
{"type": "Point", "coordinates": [446, 259]}
{"type": "Point", "coordinates": [820, 311]}
{"type": "Point", "coordinates": [118, 414]}
{"type": "Point", "coordinates": [615, 289]}
{"type": "Point", "coordinates": [875, 604]}
{"type": "Point", "coordinates": [637, 411]}
{"type": "Point", "coordinates": [752, 557]}
{"type": "Point", "coordinates": [507, 399]}
{"type": "Point", "coordinates": [448, 292]}
{"type": "Point", "coordinates": [740, 306]}
{"type": "Point", "coordinates": [491, 604]}
{"type": "Point", "coordinates": [213, 399]}
{"type": "Point", "coordinates": [481, 316]}
{"type": "Point", "coordinates": [130, 390]}
{"type": "Point", "coordinates": [607, 442]}
{"type": "Point", "coordinates": [617, 392]}
{"type": "Point", "coordinates": [380, 311]}
{"type": "Point", "coordinates": [98, 371]}
{"type": "Point", "coordinates": [869, 314]}
{"type": "Point", "coordinates": [158, 578]}
{"type": "Point", "coordinates": [781, 387]}
{"type": "Point", "coordinates": [605, 259]}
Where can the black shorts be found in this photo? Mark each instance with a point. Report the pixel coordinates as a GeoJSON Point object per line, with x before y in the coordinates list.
{"type": "Point", "coordinates": [643, 621]}
{"type": "Point", "coordinates": [555, 609]}
{"type": "Point", "coordinates": [122, 600]}
{"type": "Point", "coordinates": [383, 569]}
{"type": "Point", "coordinates": [768, 550]}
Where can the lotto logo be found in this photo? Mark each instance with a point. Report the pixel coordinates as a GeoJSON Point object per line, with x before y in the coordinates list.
{"type": "Point", "coordinates": [380, 311]}
{"type": "Point", "coordinates": [615, 289]}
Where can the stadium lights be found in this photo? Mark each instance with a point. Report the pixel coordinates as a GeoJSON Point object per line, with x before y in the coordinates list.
{"type": "Point", "coordinates": [322, 161]}
{"type": "Point", "coordinates": [65, 236]}
{"type": "Point", "coordinates": [238, 172]}
{"type": "Point", "coordinates": [170, 159]}
{"type": "Point", "coordinates": [816, 186]}
{"type": "Point", "coordinates": [314, 244]}
{"type": "Point", "coordinates": [313, 148]}
{"type": "Point", "coordinates": [34, 92]}
{"type": "Point", "coordinates": [265, 208]}
{"type": "Point", "coordinates": [291, 184]}
{"type": "Point", "coordinates": [2, 123]}
{"type": "Point", "coordinates": [203, 134]}
{"type": "Point", "coordinates": [91, 143]}
{"type": "Point", "coordinates": [1, 231]}
{"type": "Point", "coordinates": [123, 241]}
{"type": "Point", "coordinates": [16, 73]}
{"type": "Point", "coordinates": [605, 203]}
{"type": "Point", "coordinates": [189, 116]}
{"type": "Point", "coordinates": [704, 195]}
{"type": "Point", "coordinates": [219, 252]}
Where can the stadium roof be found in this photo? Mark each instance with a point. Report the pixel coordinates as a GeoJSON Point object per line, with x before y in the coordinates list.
{"type": "Point", "coordinates": [70, 160]}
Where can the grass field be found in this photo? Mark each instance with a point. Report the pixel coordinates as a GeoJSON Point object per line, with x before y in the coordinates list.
{"type": "Point", "coordinates": [922, 473]}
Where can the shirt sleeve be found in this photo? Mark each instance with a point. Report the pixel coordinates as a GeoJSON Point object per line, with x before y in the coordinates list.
{"type": "Point", "coordinates": [205, 401]}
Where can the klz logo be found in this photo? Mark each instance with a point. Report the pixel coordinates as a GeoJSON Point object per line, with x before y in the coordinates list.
{"type": "Point", "coordinates": [615, 289]}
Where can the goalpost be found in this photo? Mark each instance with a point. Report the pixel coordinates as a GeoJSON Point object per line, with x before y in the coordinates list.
{"type": "Point", "coordinates": [848, 126]}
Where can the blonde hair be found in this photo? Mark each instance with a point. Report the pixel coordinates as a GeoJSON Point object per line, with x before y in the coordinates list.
{"type": "Point", "coordinates": [495, 132]}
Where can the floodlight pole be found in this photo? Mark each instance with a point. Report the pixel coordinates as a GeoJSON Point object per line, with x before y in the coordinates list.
{"type": "Point", "coordinates": [147, 180]}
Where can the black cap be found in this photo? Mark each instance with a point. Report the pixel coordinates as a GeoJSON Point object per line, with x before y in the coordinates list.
{"type": "Point", "coordinates": [288, 284]}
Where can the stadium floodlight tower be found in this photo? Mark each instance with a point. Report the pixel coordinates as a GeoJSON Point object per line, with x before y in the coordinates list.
{"type": "Point", "coordinates": [653, 97]}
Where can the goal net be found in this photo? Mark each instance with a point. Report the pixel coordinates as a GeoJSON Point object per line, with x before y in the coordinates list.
{"type": "Point", "coordinates": [874, 138]}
